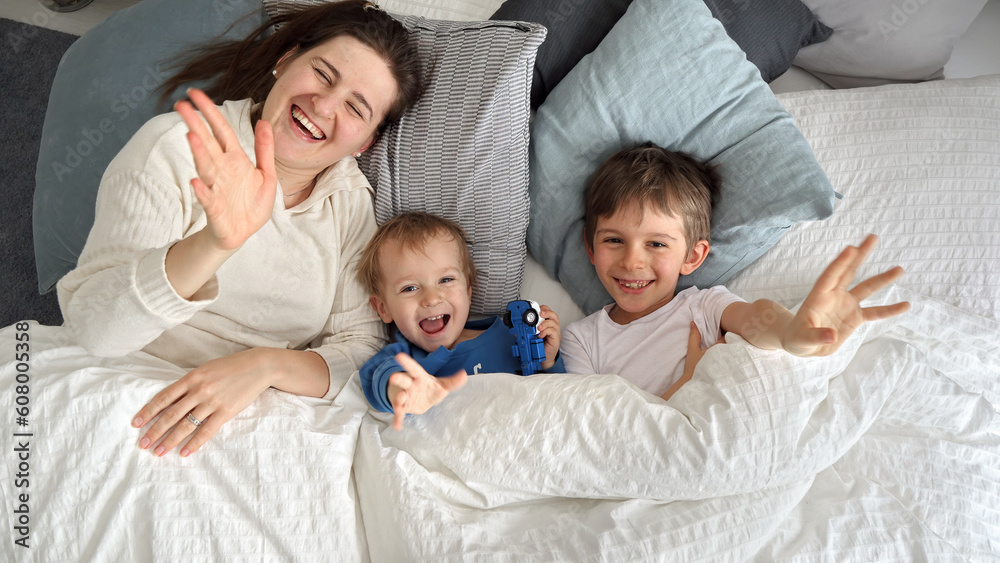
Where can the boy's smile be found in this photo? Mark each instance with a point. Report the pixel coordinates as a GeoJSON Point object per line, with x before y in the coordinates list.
{"type": "Point", "coordinates": [639, 254]}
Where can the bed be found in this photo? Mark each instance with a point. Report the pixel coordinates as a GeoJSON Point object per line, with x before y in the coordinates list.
{"type": "Point", "coordinates": [887, 450]}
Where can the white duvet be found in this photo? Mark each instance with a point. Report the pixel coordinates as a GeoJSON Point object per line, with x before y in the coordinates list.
{"type": "Point", "coordinates": [887, 450]}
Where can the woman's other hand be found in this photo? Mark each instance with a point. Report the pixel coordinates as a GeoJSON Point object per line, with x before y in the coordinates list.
{"type": "Point", "coordinates": [218, 390]}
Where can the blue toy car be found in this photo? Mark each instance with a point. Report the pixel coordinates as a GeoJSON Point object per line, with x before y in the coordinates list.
{"type": "Point", "coordinates": [522, 318]}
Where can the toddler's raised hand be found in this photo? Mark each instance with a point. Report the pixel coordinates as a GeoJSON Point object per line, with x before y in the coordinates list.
{"type": "Point", "coordinates": [831, 312]}
{"type": "Point", "coordinates": [416, 391]}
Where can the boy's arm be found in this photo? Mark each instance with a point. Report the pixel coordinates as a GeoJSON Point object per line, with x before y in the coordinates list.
{"type": "Point", "coordinates": [827, 317]}
{"type": "Point", "coordinates": [761, 323]}
{"type": "Point", "coordinates": [375, 375]}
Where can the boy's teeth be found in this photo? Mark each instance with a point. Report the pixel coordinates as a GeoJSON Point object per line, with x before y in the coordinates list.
{"type": "Point", "coordinates": [635, 285]}
{"type": "Point", "coordinates": [301, 118]}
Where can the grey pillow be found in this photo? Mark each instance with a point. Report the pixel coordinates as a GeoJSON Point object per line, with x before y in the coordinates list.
{"type": "Point", "coordinates": [462, 150]}
{"type": "Point", "coordinates": [885, 41]}
{"type": "Point", "coordinates": [102, 93]}
{"type": "Point", "coordinates": [770, 32]}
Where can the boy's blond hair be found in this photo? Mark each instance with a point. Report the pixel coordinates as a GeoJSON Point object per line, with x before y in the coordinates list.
{"type": "Point", "coordinates": [672, 183]}
{"type": "Point", "coordinates": [410, 231]}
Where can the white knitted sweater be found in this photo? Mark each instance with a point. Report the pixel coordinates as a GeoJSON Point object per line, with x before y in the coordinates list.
{"type": "Point", "coordinates": [291, 285]}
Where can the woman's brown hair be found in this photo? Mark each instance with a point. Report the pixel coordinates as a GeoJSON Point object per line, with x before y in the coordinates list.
{"type": "Point", "coordinates": [242, 69]}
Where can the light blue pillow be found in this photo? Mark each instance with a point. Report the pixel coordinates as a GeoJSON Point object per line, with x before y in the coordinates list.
{"type": "Point", "coordinates": [103, 91]}
{"type": "Point", "coordinates": [668, 73]}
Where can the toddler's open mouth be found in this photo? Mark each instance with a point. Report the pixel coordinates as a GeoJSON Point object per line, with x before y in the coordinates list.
{"type": "Point", "coordinates": [434, 325]}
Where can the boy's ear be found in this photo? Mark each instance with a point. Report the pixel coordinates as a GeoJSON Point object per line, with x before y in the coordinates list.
{"type": "Point", "coordinates": [696, 255]}
{"type": "Point", "coordinates": [380, 308]}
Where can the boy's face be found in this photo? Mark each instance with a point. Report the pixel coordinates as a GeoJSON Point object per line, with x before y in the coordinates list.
{"type": "Point", "coordinates": [639, 260]}
{"type": "Point", "coordinates": [425, 293]}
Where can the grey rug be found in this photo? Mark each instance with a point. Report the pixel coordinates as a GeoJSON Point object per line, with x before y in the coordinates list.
{"type": "Point", "coordinates": [29, 56]}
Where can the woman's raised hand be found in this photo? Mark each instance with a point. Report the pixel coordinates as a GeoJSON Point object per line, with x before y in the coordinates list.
{"type": "Point", "coordinates": [238, 197]}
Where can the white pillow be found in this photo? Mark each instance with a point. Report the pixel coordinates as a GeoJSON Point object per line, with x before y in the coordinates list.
{"type": "Point", "coordinates": [918, 165]}
{"type": "Point", "coordinates": [463, 10]}
{"type": "Point", "coordinates": [882, 41]}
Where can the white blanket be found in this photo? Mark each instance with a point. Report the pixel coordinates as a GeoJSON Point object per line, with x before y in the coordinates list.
{"type": "Point", "coordinates": [889, 449]}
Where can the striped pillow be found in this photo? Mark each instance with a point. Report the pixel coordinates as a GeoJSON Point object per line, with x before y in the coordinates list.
{"type": "Point", "coordinates": [462, 150]}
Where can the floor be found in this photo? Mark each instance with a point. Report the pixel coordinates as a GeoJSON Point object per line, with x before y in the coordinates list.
{"type": "Point", "coordinates": [77, 23]}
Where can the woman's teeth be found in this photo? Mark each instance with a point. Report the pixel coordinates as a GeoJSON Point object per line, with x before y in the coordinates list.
{"type": "Point", "coordinates": [316, 132]}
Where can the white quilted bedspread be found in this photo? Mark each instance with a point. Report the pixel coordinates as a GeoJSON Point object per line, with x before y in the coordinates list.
{"type": "Point", "coordinates": [887, 450]}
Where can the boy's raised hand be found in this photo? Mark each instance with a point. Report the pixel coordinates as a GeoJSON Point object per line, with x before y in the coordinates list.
{"type": "Point", "coordinates": [831, 312]}
{"type": "Point", "coordinates": [416, 391]}
{"type": "Point", "coordinates": [551, 334]}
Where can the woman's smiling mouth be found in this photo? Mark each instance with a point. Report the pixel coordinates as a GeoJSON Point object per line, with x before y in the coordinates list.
{"type": "Point", "coordinates": [306, 125]}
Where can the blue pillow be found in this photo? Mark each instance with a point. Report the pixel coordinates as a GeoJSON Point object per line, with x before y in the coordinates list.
{"type": "Point", "coordinates": [103, 91]}
{"type": "Point", "coordinates": [668, 73]}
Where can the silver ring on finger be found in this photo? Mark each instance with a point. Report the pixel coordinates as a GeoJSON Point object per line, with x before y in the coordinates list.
{"type": "Point", "coordinates": [193, 420]}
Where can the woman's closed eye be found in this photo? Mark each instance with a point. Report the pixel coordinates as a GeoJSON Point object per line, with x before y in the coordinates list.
{"type": "Point", "coordinates": [323, 76]}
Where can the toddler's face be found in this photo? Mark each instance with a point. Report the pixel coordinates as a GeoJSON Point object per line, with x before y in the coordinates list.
{"type": "Point", "coordinates": [425, 293]}
{"type": "Point", "coordinates": [639, 255]}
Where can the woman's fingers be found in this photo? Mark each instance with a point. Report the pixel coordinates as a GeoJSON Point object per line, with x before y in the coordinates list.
{"type": "Point", "coordinates": [169, 417]}
{"type": "Point", "coordinates": [221, 130]}
{"type": "Point", "coordinates": [264, 151]}
{"type": "Point", "coordinates": [208, 427]}
{"type": "Point", "coordinates": [157, 404]}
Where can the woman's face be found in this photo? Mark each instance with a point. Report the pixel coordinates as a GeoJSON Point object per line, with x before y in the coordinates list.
{"type": "Point", "coordinates": [326, 104]}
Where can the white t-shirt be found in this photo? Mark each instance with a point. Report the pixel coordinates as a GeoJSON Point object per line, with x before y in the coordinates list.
{"type": "Point", "coordinates": [649, 351]}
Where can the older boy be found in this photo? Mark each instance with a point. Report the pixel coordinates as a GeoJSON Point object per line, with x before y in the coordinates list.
{"type": "Point", "coordinates": [419, 274]}
{"type": "Point", "coordinates": [647, 222]}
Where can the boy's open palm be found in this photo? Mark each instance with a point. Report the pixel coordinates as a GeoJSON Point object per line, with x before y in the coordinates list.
{"type": "Point", "coordinates": [831, 312]}
{"type": "Point", "coordinates": [416, 391]}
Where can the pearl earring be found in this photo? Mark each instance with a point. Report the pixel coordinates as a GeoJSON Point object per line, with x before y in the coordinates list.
{"type": "Point", "coordinates": [275, 73]}
{"type": "Point", "coordinates": [357, 154]}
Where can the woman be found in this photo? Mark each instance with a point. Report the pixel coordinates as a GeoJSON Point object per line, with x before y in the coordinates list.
{"type": "Point", "coordinates": [238, 266]}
